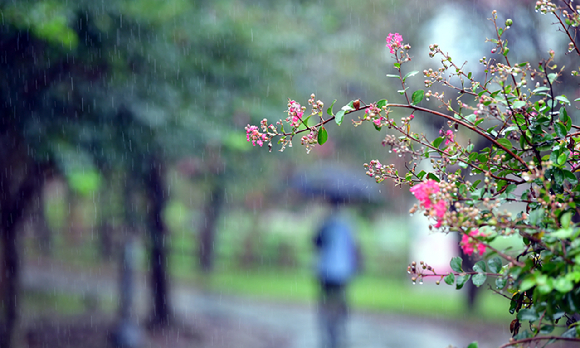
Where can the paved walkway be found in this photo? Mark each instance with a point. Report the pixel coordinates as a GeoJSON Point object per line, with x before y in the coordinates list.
{"type": "Point", "coordinates": [296, 322]}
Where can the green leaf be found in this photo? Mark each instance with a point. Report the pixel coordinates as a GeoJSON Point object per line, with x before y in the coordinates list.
{"type": "Point", "coordinates": [514, 302]}
{"type": "Point", "coordinates": [565, 118]}
{"type": "Point", "coordinates": [329, 110]}
{"type": "Point", "coordinates": [563, 233]}
{"type": "Point", "coordinates": [381, 103]}
{"type": "Point", "coordinates": [562, 158]}
{"type": "Point", "coordinates": [433, 177]}
{"type": "Point", "coordinates": [522, 335]}
{"type": "Point", "coordinates": [563, 285]}
{"type": "Point", "coordinates": [570, 333]}
{"type": "Point", "coordinates": [479, 266]}
{"type": "Point", "coordinates": [409, 74]}
{"type": "Point", "coordinates": [546, 329]}
{"type": "Point", "coordinates": [339, 117]}
{"type": "Point", "coordinates": [417, 96]}
{"type": "Point", "coordinates": [456, 264]}
{"type": "Point", "coordinates": [494, 264]}
{"type": "Point", "coordinates": [304, 122]}
{"type": "Point", "coordinates": [322, 135]}
{"type": "Point", "coordinates": [397, 65]}
{"type": "Point", "coordinates": [506, 143]}
{"type": "Point", "coordinates": [552, 77]}
{"type": "Point", "coordinates": [570, 177]}
{"type": "Point", "coordinates": [500, 283]}
{"type": "Point", "coordinates": [528, 314]}
{"type": "Point", "coordinates": [510, 188]}
{"type": "Point", "coordinates": [393, 76]}
{"type": "Point", "coordinates": [449, 279]}
{"type": "Point", "coordinates": [473, 345]}
{"type": "Point", "coordinates": [84, 182]}
{"type": "Point", "coordinates": [565, 219]}
{"type": "Point", "coordinates": [558, 175]}
{"type": "Point", "coordinates": [438, 142]}
{"type": "Point", "coordinates": [461, 280]}
{"type": "Point", "coordinates": [528, 283]}
{"type": "Point", "coordinates": [519, 104]}
{"type": "Point", "coordinates": [562, 99]}
{"type": "Point", "coordinates": [560, 129]}
{"type": "Point", "coordinates": [478, 279]}
{"type": "Point", "coordinates": [536, 216]}
{"type": "Point", "coordinates": [541, 89]}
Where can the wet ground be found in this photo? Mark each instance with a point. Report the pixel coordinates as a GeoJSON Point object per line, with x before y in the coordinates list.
{"type": "Point", "coordinates": [212, 320]}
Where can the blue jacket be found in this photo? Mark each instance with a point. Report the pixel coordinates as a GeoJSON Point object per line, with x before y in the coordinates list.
{"type": "Point", "coordinates": [336, 251]}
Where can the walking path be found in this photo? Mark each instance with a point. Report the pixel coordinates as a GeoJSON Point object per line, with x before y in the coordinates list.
{"type": "Point", "coordinates": [295, 322]}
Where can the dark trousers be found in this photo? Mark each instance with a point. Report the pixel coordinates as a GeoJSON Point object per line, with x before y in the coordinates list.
{"type": "Point", "coordinates": [333, 313]}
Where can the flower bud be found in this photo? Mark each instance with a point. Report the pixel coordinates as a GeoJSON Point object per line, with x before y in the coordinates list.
{"type": "Point", "coordinates": [508, 22]}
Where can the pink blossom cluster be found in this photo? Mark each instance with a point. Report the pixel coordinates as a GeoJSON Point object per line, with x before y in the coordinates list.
{"type": "Point", "coordinates": [295, 113]}
{"type": "Point", "coordinates": [469, 243]}
{"type": "Point", "coordinates": [575, 164]}
{"type": "Point", "coordinates": [394, 41]}
{"type": "Point", "coordinates": [448, 137]}
{"type": "Point", "coordinates": [425, 192]}
{"type": "Point", "coordinates": [372, 112]}
{"type": "Point", "coordinates": [378, 171]}
{"type": "Point", "coordinates": [254, 135]}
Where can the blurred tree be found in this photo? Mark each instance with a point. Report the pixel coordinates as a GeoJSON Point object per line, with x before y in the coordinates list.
{"type": "Point", "coordinates": [132, 86]}
{"type": "Point", "coordinates": [128, 87]}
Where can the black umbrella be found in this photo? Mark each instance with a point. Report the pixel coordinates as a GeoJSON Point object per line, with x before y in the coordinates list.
{"type": "Point", "coordinates": [337, 183]}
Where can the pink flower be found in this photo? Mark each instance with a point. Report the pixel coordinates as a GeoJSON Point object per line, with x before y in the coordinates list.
{"type": "Point", "coordinates": [411, 117]}
{"type": "Point", "coordinates": [448, 137]}
{"type": "Point", "coordinates": [253, 135]}
{"type": "Point", "coordinates": [469, 243]}
{"type": "Point", "coordinates": [423, 192]}
{"type": "Point", "coordinates": [576, 164]}
{"type": "Point", "coordinates": [440, 208]}
{"type": "Point", "coordinates": [378, 121]}
{"type": "Point", "coordinates": [394, 41]}
{"type": "Point", "coordinates": [294, 113]}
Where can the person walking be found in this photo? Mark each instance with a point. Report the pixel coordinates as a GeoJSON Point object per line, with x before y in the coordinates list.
{"type": "Point", "coordinates": [336, 265]}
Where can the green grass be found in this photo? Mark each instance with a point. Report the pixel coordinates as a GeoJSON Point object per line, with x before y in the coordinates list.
{"type": "Point", "coordinates": [366, 293]}
{"type": "Point", "coordinates": [382, 288]}
{"type": "Point", "coordinates": [36, 302]}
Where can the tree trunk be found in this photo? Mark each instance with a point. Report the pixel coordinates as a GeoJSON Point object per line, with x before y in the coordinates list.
{"type": "Point", "coordinates": [471, 289]}
{"type": "Point", "coordinates": [208, 230]}
{"type": "Point", "coordinates": [12, 210]}
{"type": "Point", "coordinates": [161, 312]}
{"type": "Point", "coordinates": [10, 284]}
{"type": "Point", "coordinates": [40, 225]}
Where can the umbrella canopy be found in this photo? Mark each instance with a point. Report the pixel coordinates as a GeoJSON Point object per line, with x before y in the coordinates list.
{"type": "Point", "coordinates": [337, 183]}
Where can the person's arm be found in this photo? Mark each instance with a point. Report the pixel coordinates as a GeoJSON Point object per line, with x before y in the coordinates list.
{"type": "Point", "coordinates": [318, 239]}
